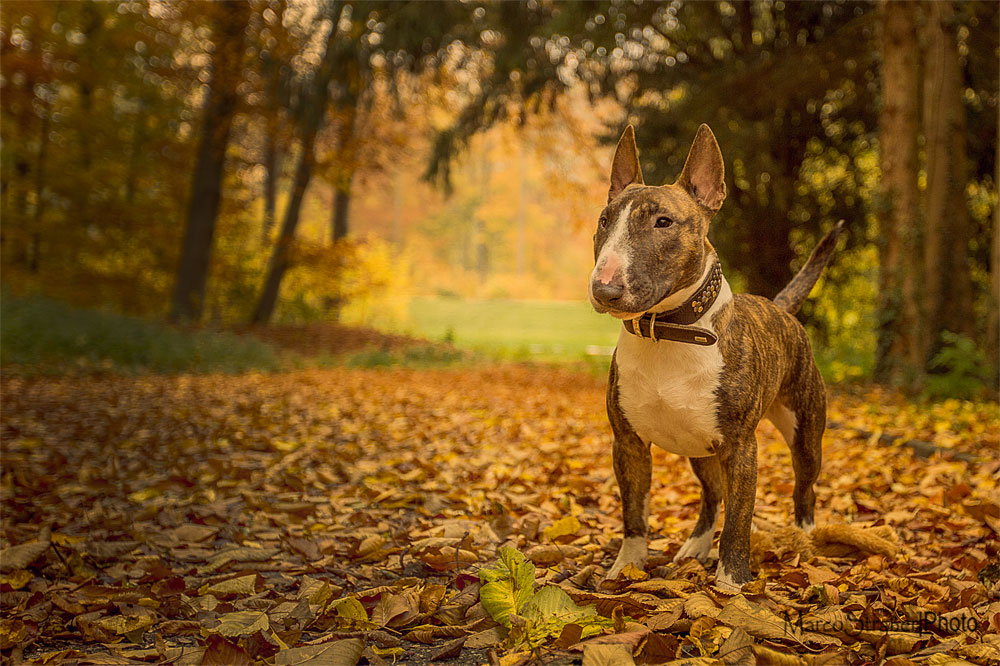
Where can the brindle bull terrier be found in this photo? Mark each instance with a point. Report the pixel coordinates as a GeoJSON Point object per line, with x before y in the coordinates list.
{"type": "Point", "coordinates": [696, 368]}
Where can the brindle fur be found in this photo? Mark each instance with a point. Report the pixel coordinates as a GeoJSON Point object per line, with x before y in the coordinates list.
{"type": "Point", "coordinates": [767, 357]}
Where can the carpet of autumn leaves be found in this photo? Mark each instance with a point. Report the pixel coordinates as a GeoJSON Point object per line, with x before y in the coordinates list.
{"type": "Point", "coordinates": [343, 515]}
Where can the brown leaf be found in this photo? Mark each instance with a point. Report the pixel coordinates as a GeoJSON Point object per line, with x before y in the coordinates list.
{"type": "Point", "coordinates": [756, 620]}
{"type": "Point", "coordinates": [449, 650]}
{"type": "Point", "coordinates": [20, 556]}
{"type": "Point", "coordinates": [656, 649]}
{"type": "Point", "coordinates": [221, 652]}
{"type": "Point", "coordinates": [345, 652]}
{"type": "Point", "coordinates": [737, 649]}
{"type": "Point", "coordinates": [607, 655]}
{"type": "Point", "coordinates": [699, 605]}
{"type": "Point", "coordinates": [486, 638]}
{"type": "Point", "coordinates": [547, 555]}
{"type": "Point", "coordinates": [570, 635]}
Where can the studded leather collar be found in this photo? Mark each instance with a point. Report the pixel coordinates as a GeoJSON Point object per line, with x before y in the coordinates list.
{"type": "Point", "coordinates": [676, 324]}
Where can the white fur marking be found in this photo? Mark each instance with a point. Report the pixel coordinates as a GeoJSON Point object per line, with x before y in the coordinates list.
{"type": "Point", "coordinates": [696, 547]}
{"type": "Point", "coordinates": [666, 389]}
{"type": "Point", "coordinates": [633, 551]}
{"type": "Point", "coordinates": [807, 527]}
{"type": "Point", "coordinates": [614, 245]}
{"type": "Point", "coordinates": [783, 419]}
{"type": "Point", "coordinates": [724, 580]}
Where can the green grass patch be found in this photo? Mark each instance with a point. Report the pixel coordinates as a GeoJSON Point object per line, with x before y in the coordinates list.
{"type": "Point", "coordinates": [417, 356]}
{"type": "Point", "coordinates": [517, 330]}
{"type": "Point", "coordinates": [40, 336]}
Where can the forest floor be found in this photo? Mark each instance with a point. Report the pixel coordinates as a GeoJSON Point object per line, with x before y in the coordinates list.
{"type": "Point", "coordinates": [399, 515]}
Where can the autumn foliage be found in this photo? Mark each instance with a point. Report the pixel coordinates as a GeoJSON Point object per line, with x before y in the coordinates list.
{"type": "Point", "coordinates": [405, 514]}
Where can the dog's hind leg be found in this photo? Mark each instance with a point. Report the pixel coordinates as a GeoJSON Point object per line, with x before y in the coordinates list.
{"type": "Point", "coordinates": [712, 491]}
{"type": "Point", "coordinates": [807, 452]}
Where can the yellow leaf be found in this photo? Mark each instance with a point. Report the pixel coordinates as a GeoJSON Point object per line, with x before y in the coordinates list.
{"type": "Point", "coordinates": [17, 579]}
{"type": "Point", "coordinates": [241, 585]}
{"type": "Point", "coordinates": [632, 572]}
{"type": "Point", "coordinates": [562, 527]}
{"type": "Point", "coordinates": [242, 623]}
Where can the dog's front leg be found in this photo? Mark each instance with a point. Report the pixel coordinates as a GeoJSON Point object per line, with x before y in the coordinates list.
{"type": "Point", "coordinates": [633, 469]}
{"type": "Point", "coordinates": [739, 465]}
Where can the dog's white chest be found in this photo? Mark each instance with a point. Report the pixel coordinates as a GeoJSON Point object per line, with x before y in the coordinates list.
{"type": "Point", "coordinates": [667, 391]}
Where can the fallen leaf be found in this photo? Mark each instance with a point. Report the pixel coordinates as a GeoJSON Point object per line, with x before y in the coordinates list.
{"type": "Point", "coordinates": [449, 650]}
{"type": "Point", "coordinates": [756, 620]}
{"type": "Point", "coordinates": [21, 555]}
{"type": "Point", "coordinates": [346, 652]}
{"type": "Point", "coordinates": [607, 655]}
{"type": "Point", "coordinates": [221, 652]}
{"type": "Point", "coordinates": [565, 526]}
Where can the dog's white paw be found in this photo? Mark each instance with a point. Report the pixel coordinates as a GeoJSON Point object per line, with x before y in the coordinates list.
{"type": "Point", "coordinates": [806, 527]}
{"type": "Point", "coordinates": [633, 551]}
{"type": "Point", "coordinates": [696, 547]}
{"type": "Point", "coordinates": [725, 581]}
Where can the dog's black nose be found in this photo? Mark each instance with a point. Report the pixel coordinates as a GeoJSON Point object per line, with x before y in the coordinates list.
{"type": "Point", "coordinates": [609, 292]}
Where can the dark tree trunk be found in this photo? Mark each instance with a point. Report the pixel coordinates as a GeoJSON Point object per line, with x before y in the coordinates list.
{"type": "Point", "coordinates": [948, 287]}
{"type": "Point", "coordinates": [35, 249]}
{"type": "Point", "coordinates": [270, 181]}
{"type": "Point", "coordinates": [993, 323]}
{"type": "Point", "coordinates": [138, 138]}
{"type": "Point", "coordinates": [341, 212]}
{"type": "Point", "coordinates": [899, 356]}
{"type": "Point", "coordinates": [206, 182]}
{"type": "Point", "coordinates": [279, 261]}
{"type": "Point", "coordinates": [343, 176]}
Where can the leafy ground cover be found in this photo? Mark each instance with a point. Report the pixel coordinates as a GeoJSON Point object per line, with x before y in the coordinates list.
{"type": "Point", "coordinates": [398, 516]}
{"type": "Point", "coordinates": [41, 336]}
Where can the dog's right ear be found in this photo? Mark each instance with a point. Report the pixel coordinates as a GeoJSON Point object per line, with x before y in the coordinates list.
{"type": "Point", "coordinates": [625, 168]}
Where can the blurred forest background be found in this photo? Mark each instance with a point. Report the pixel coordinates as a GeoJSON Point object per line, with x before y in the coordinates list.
{"type": "Point", "coordinates": [415, 166]}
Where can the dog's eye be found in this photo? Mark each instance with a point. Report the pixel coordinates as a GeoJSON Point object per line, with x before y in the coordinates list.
{"type": "Point", "coordinates": [604, 221]}
{"type": "Point", "coordinates": [662, 222]}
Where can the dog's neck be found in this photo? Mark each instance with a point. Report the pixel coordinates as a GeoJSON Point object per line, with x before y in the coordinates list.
{"type": "Point", "coordinates": [682, 296]}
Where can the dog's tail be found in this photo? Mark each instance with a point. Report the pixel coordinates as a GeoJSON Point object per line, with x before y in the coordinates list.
{"type": "Point", "coordinates": [794, 294]}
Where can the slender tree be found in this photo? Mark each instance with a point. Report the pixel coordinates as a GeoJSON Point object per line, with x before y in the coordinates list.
{"type": "Point", "coordinates": [229, 20]}
{"type": "Point", "coordinates": [314, 113]}
{"type": "Point", "coordinates": [899, 352]}
{"type": "Point", "coordinates": [948, 282]}
{"type": "Point", "coordinates": [343, 175]}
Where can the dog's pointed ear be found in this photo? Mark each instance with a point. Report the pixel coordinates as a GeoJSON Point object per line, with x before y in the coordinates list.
{"type": "Point", "coordinates": [625, 168]}
{"type": "Point", "coordinates": [704, 175]}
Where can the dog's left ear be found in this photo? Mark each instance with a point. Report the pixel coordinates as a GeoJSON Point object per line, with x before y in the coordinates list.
{"type": "Point", "coordinates": [704, 175]}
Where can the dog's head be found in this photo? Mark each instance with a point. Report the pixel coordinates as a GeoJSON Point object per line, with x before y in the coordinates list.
{"type": "Point", "coordinates": [651, 242]}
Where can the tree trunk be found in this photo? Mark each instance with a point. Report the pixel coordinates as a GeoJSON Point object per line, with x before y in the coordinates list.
{"type": "Point", "coordinates": [993, 325]}
{"type": "Point", "coordinates": [270, 180]}
{"type": "Point", "coordinates": [899, 356]}
{"type": "Point", "coordinates": [35, 249]}
{"type": "Point", "coordinates": [279, 261]}
{"type": "Point", "coordinates": [341, 212]}
{"type": "Point", "coordinates": [397, 209]}
{"type": "Point", "coordinates": [948, 288]}
{"type": "Point", "coordinates": [521, 208]}
{"type": "Point", "coordinates": [206, 183]}
{"type": "Point", "coordinates": [343, 176]}
{"type": "Point", "coordinates": [135, 150]}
